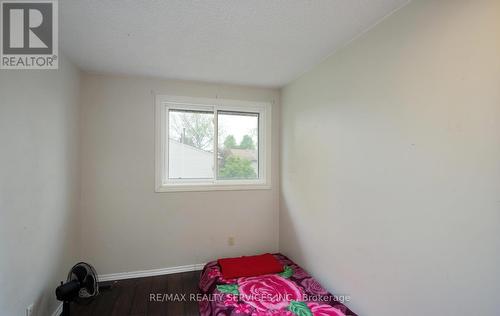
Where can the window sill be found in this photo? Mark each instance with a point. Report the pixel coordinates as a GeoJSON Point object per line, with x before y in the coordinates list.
{"type": "Point", "coordinates": [190, 187]}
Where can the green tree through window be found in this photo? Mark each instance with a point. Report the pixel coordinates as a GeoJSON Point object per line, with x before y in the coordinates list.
{"type": "Point", "coordinates": [237, 168]}
{"type": "Point", "coordinates": [247, 142]}
{"type": "Point", "coordinates": [230, 142]}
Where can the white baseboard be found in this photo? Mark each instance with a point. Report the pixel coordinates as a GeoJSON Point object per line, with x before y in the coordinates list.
{"type": "Point", "coordinates": [148, 273]}
{"type": "Point", "coordinates": [58, 310]}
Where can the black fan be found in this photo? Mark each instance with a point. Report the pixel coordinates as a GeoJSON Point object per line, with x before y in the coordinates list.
{"type": "Point", "coordinates": [82, 282]}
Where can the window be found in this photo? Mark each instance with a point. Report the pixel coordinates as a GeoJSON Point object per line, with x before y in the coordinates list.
{"type": "Point", "coordinates": [211, 144]}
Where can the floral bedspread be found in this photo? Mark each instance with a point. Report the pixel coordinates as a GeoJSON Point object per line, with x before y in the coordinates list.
{"type": "Point", "coordinates": [289, 293]}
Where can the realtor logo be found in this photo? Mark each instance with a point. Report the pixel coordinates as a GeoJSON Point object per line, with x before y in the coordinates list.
{"type": "Point", "coordinates": [29, 35]}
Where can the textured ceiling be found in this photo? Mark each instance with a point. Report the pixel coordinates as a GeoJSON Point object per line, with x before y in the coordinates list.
{"type": "Point", "coordinates": [253, 42]}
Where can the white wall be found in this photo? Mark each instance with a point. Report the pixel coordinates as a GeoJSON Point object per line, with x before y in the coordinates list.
{"type": "Point", "coordinates": [39, 185]}
{"type": "Point", "coordinates": [126, 226]}
{"type": "Point", "coordinates": [391, 164]}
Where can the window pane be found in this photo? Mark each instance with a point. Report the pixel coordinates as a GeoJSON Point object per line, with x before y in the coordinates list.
{"type": "Point", "coordinates": [191, 145]}
{"type": "Point", "coordinates": [238, 142]}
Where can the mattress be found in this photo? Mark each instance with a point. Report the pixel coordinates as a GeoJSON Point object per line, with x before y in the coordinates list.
{"type": "Point", "coordinates": [291, 292]}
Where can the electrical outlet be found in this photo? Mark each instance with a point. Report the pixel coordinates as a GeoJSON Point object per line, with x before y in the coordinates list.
{"type": "Point", "coordinates": [29, 310]}
{"type": "Point", "coordinates": [230, 241]}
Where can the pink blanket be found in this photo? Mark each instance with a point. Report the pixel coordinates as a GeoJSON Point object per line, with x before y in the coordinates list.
{"type": "Point", "coordinates": [291, 292]}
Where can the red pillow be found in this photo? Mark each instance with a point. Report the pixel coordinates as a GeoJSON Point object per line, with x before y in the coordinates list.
{"type": "Point", "coordinates": [249, 266]}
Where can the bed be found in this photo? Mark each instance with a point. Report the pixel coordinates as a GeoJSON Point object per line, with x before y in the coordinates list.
{"type": "Point", "coordinates": [289, 293]}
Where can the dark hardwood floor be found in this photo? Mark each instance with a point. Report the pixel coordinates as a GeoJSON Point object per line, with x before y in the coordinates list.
{"type": "Point", "coordinates": [131, 297]}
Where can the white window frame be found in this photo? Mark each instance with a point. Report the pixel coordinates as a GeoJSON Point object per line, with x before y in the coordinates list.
{"type": "Point", "coordinates": [163, 103]}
